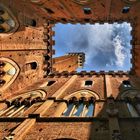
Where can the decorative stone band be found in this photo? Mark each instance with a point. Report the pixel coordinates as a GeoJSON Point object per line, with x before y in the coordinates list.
{"type": "Point", "coordinates": [27, 97]}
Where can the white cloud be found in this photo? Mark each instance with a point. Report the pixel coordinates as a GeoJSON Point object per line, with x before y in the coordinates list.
{"type": "Point", "coordinates": [120, 55]}
{"type": "Point", "coordinates": [106, 46]}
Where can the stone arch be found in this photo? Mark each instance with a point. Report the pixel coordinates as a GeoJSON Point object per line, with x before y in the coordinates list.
{"type": "Point", "coordinates": [17, 105]}
{"type": "Point", "coordinates": [26, 99]}
{"type": "Point", "coordinates": [80, 103]}
{"type": "Point", "coordinates": [131, 93]}
{"type": "Point", "coordinates": [83, 93]}
{"type": "Point", "coordinates": [37, 93]}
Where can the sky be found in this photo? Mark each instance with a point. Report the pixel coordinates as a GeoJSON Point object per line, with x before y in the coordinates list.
{"type": "Point", "coordinates": [106, 46]}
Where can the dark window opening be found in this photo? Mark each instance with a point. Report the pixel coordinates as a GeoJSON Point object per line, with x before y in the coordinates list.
{"type": "Point", "coordinates": [2, 73]}
{"type": "Point", "coordinates": [48, 71]}
{"type": "Point", "coordinates": [87, 10]}
{"type": "Point", "coordinates": [2, 64]}
{"type": "Point", "coordinates": [29, 66]}
{"type": "Point", "coordinates": [63, 19]}
{"type": "Point", "coordinates": [2, 82]}
{"type": "Point", "coordinates": [33, 23]}
{"type": "Point", "coordinates": [87, 20]}
{"type": "Point", "coordinates": [49, 10]}
{"type": "Point", "coordinates": [33, 65]}
{"type": "Point", "coordinates": [1, 20]}
{"type": "Point", "coordinates": [1, 12]}
{"type": "Point", "coordinates": [2, 30]}
{"type": "Point", "coordinates": [125, 10]}
{"type": "Point", "coordinates": [50, 83]}
{"type": "Point", "coordinates": [88, 83]}
{"type": "Point", "coordinates": [47, 57]}
{"type": "Point", "coordinates": [126, 83]}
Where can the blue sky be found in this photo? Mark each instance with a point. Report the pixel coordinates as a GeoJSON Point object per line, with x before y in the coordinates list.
{"type": "Point", "coordinates": [106, 46]}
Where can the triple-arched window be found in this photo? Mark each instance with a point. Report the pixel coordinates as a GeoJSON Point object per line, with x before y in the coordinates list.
{"type": "Point", "coordinates": [79, 104]}
{"type": "Point", "coordinates": [17, 106]}
{"type": "Point", "coordinates": [82, 107]}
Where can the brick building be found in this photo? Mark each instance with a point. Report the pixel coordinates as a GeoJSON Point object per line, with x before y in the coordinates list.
{"type": "Point", "coordinates": [37, 103]}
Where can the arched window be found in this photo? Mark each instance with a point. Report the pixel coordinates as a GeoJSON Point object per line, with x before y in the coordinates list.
{"type": "Point", "coordinates": [79, 108]}
{"type": "Point", "coordinates": [78, 104]}
{"type": "Point", "coordinates": [126, 9]}
{"type": "Point", "coordinates": [18, 105]}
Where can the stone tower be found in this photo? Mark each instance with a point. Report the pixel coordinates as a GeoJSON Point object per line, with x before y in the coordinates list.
{"type": "Point", "coordinates": [37, 103]}
{"type": "Point", "coordinates": [69, 62]}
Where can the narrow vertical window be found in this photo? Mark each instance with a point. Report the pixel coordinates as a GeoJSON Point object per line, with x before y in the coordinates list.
{"type": "Point", "coordinates": [68, 110]}
{"type": "Point", "coordinates": [81, 108]}
{"type": "Point", "coordinates": [132, 110]}
{"type": "Point", "coordinates": [90, 108]}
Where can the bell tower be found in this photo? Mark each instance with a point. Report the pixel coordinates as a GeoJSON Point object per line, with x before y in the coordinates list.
{"type": "Point", "coordinates": [69, 62]}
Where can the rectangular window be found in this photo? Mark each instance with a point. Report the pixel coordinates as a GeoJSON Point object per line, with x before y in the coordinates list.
{"type": "Point", "coordinates": [125, 10]}
{"type": "Point", "coordinates": [87, 10]}
{"type": "Point", "coordinates": [88, 83]}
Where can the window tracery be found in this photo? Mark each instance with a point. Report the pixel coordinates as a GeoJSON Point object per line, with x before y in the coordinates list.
{"type": "Point", "coordinates": [19, 104]}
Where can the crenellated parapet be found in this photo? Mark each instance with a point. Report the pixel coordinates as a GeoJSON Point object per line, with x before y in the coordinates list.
{"type": "Point", "coordinates": [90, 74]}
